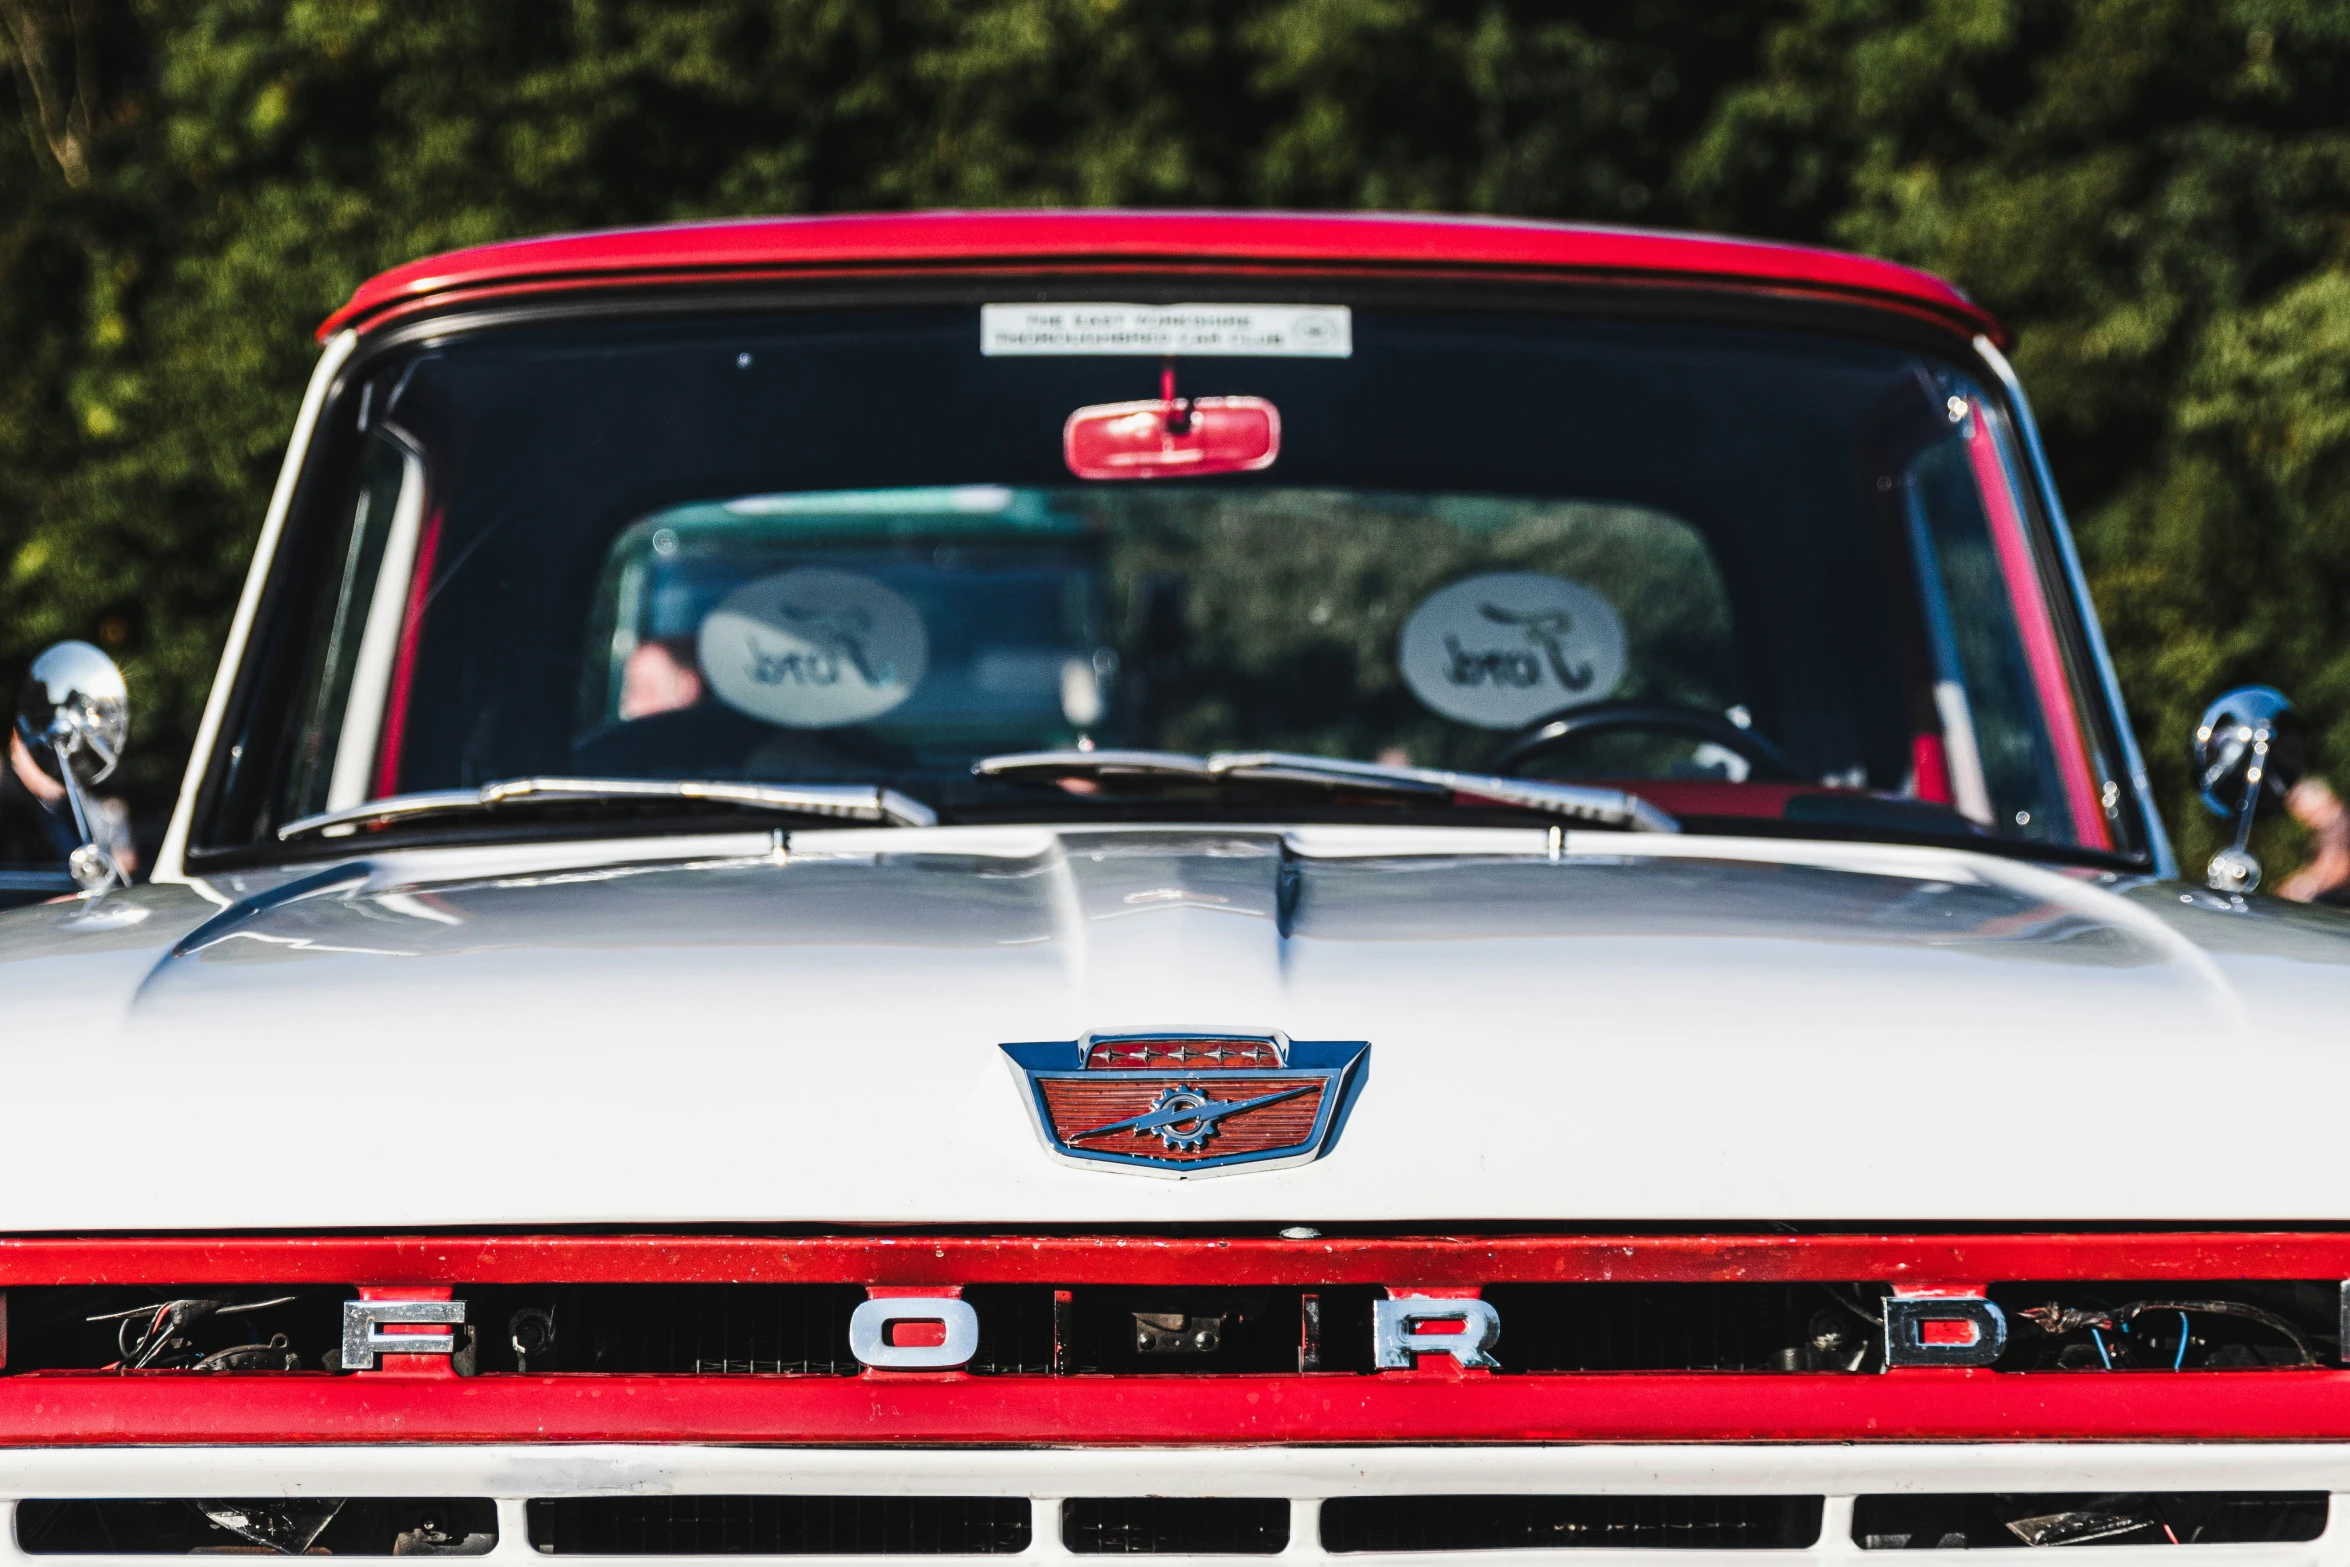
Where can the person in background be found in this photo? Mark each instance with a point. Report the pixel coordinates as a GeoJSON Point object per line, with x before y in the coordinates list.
{"type": "Point", "coordinates": [36, 824]}
{"type": "Point", "coordinates": [2326, 878]}
{"type": "Point", "coordinates": [659, 677]}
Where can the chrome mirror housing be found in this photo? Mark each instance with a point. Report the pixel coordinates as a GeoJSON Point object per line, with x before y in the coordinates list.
{"type": "Point", "coordinates": [73, 712]}
{"type": "Point", "coordinates": [2240, 755]}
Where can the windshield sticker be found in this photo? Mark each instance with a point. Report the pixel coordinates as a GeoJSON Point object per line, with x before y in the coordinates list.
{"type": "Point", "coordinates": [814, 648]}
{"type": "Point", "coordinates": [1504, 649]}
{"type": "Point", "coordinates": [1251, 331]}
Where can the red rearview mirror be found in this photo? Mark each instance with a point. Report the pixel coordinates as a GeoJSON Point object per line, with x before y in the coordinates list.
{"type": "Point", "coordinates": [1172, 438]}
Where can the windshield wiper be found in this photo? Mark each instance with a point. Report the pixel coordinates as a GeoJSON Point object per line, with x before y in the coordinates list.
{"type": "Point", "coordinates": [868, 803]}
{"type": "Point", "coordinates": [1607, 807]}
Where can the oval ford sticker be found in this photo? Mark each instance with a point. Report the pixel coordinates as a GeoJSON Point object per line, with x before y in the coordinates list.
{"type": "Point", "coordinates": [1503, 649]}
{"type": "Point", "coordinates": [814, 648]}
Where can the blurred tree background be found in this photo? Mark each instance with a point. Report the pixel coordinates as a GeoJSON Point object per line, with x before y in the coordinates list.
{"type": "Point", "coordinates": [2155, 194]}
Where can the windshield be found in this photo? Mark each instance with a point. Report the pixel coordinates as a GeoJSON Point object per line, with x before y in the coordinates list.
{"type": "Point", "coordinates": [1768, 579]}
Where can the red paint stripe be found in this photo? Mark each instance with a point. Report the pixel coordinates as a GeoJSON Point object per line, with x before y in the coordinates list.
{"type": "Point", "coordinates": [395, 725]}
{"type": "Point", "coordinates": [1909, 1260]}
{"type": "Point", "coordinates": [169, 1408]}
{"type": "Point", "coordinates": [2038, 630]}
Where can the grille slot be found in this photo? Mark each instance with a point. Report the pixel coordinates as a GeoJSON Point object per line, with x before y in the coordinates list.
{"type": "Point", "coordinates": [1175, 1525]}
{"type": "Point", "coordinates": [1136, 1330]}
{"type": "Point", "coordinates": [2229, 1324]}
{"type": "Point", "coordinates": [706, 1329]}
{"type": "Point", "coordinates": [728, 1329]}
{"type": "Point", "coordinates": [780, 1525]}
{"type": "Point", "coordinates": [48, 1327]}
{"type": "Point", "coordinates": [2016, 1521]}
{"type": "Point", "coordinates": [1503, 1523]}
{"type": "Point", "coordinates": [358, 1526]}
{"type": "Point", "coordinates": [1680, 1327]}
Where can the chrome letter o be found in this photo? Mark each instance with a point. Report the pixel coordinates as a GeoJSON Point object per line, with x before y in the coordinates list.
{"type": "Point", "coordinates": [869, 1333]}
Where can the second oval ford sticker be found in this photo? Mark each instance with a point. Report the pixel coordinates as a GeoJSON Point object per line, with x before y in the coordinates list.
{"type": "Point", "coordinates": [814, 648]}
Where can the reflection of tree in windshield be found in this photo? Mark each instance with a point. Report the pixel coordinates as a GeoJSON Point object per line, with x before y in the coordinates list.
{"type": "Point", "coordinates": [1293, 601]}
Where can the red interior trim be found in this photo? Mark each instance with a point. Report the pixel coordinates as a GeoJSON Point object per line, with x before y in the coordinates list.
{"type": "Point", "coordinates": [1397, 1407]}
{"type": "Point", "coordinates": [1908, 1261]}
{"type": "Point", "coordinates": [1931, 765]}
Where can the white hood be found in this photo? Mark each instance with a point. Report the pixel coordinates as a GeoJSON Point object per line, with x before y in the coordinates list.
{"type": "Point", "coordinates": [1630, 1029]}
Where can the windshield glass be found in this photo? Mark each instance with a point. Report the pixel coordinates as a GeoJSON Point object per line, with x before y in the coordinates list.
{"type": "Point", "coordinates": [1770, 580]}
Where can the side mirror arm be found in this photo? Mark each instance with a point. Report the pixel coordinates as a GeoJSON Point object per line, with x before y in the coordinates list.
{"type": "Point", "coordinates": [75, 707]}
{"type": "Point", "coordinates": [2239, 756]}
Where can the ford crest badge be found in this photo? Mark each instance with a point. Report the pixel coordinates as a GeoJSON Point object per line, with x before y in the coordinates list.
{"type": "Point", "coordinates": [1184, 1103]}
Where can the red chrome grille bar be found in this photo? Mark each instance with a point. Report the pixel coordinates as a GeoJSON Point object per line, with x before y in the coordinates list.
{"type": "Point", "coordinates": [1425, 1406]}
{"type": "Point", "coordinates": [958, 1259]}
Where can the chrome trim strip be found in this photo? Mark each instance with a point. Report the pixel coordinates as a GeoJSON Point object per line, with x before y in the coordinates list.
{"type": "Point", "coordinates": [2166, 864]}
{"type": "Point", "coordinates": [171, 859]}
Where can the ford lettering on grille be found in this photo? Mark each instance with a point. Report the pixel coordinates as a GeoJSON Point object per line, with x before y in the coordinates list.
{"type": "Point", "coordinates": [1184, 1104]}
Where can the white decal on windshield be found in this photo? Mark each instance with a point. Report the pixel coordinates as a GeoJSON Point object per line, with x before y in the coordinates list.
{"type": "Point", "coordinates": [1255, 331]}
{"type": "Point", "coordinates": [814, 648]}
{"type": "Point", "coordinates": [1504, 649]}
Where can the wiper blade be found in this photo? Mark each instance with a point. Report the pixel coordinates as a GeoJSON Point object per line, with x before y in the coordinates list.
{"type": "Point", "coordinates": [1181, 766]}
{"type": "Point", "coordinates": [1610, 807]}
{"type": "Point", "coordinates": [868, 803]}
{"type": "Point", "coordinates": [1606, 807]}
{"type": "Point", "coordinates": [1093, 764]}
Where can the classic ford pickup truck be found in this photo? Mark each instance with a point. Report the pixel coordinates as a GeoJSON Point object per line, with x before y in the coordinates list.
{"type": "Point", "coordinates": [1189, 884]}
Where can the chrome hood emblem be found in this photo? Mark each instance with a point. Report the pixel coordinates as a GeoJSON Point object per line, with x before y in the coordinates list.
{"type": "Point", "coordinates": [1186, 1103]}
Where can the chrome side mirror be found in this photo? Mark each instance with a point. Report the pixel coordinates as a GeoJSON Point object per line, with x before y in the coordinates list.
{"type": "Point", "coordinates": [74, 712]}
{"type": "Point", "coordinates": [2240, 755]}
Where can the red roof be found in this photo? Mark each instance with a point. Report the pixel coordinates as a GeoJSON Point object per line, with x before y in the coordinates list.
{"type": "Point", "coordinates": [1288, 241]}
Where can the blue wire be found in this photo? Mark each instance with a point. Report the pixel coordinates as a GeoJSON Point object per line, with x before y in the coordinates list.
{"type": "Point", "coordinates": [2181, 1360]}
{"type": "Point", "coordinates": [2101, 1351]}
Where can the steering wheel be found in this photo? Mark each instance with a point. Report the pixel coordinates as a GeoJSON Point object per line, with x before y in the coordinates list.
{"type": "Point", "coordinates": [1769, 764]}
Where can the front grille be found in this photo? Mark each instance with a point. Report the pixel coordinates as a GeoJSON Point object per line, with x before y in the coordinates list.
{"type": "Point", "coordinates": [1175, 1525]}
{"type": "Point", "coordinates": [1504, 1523]}
{"type": "Point", "coordinates": [2022, 1520]}
{"type": "Point", "coordinates": [780, 1525]}
{"type": "Point", "coordinates": [354, 1526]}
{"type": "Point", "coordinates": [1185, 1322]}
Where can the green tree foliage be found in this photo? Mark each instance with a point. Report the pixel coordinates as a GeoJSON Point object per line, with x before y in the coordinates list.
{"type": "Point", "coordinates": [2153, 192]}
